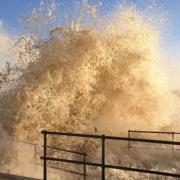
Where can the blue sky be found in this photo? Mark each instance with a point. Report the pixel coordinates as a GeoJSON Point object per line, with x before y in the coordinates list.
{"type": "Point", "coordinates": [12, 10]}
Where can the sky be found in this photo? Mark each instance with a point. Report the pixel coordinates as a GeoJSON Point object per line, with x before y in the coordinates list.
{"type": "Point", "coordinates": [12, 10]}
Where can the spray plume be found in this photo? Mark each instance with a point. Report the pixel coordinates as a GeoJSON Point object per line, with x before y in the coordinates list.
{"type": "Point", "coordinates": [100, 74]}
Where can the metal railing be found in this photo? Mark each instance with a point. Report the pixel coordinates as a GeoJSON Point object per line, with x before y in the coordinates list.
{"type": "Point", "coordinates": [34, 145]}
{"type": "Point", "coordinates": [103, 164]}
{"type": "Point", "coordinates": [35, 149]}
{"type": "Point", "coordinates": [171, 133]}
{"type": "Point", "coordinates": [73, 152]}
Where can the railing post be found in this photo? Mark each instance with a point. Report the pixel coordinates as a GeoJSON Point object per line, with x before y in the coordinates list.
{"type": "Point", "coordinates": [129, 136]}
{"type": "Point", "coordinates": [44, 157]}
{"type": "Point", "coordinates": [85, 167]}
{"type": "Point", "coordinates": [35, 152]}
{"type": "Point", "coordinates": [172, 140]}
{"type": "Point", "coordinates": [103, 157]}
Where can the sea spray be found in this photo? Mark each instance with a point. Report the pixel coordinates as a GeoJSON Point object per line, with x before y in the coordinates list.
{"type": "Point", "coordinates": [85, 78]}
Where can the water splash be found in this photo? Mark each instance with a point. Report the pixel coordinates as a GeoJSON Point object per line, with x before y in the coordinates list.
{"type": "Point", "coordinates": [100, 75]}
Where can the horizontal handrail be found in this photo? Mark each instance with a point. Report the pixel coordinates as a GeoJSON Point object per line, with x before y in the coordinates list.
{"type": "Point", "coordinates": [19, 141]}
{"type": "Point", "coordinates": [62, 169]}
{"type": "Point", "coordinates": [66, 150]}
{"type": "Point", "coordinates": [151, 148]}
{"type": "Point", "coordinates": [142, 140]}
{"type": "Point", "coordinates": [36, 144]}
{"type": "Point", "coordinates": [171, 133]}
{"type": "Point", "coordinates": [71, 134]}
{"type": "Point", "coordinates": [112, 138]}
{"type": "Point", "coordinates": [154, 132]}
{"type": "Point", "coordinates": [68, 171]}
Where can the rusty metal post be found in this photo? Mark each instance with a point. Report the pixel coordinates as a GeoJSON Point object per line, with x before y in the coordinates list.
{"type": "Point", "coordinates": [44, 156]}
{"type": "Point", "coordinates": [35, 152]}
{"type": "Point", "coordinates": [129, 142]}
{"type": "Point", "coordinates": [103, 158]}
{"type": "Point", "coordinates": [172, 141]}
{"type": "Point", "coordinates": [85, 174]}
